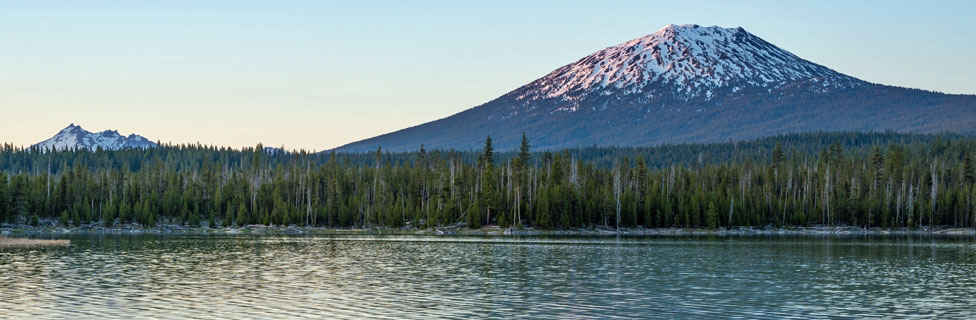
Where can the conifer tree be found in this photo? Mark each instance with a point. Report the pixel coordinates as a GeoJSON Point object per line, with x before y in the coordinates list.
{"type": "Point", "coordinates": [877, 162]}
{"type": "Point", "coordinates": [524, 155]}
{"type": "Point", "coordinates": [778, 156]}
{"type": "Point", "coordinates": [242, 218]}
{"type": "Point", "coordinates": [5, 214]}
{"type": "Point", "coordinates": [712, 216]}
{"type": "Point", "coordinates": [967, 168]}
{"type": "Point", "coordinates": [489, 152]}
{"type": "Point", "coordinates": [228, 217]}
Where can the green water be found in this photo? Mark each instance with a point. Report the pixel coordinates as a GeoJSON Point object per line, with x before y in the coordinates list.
{"type": "Point", "coordinates": [402, 277]}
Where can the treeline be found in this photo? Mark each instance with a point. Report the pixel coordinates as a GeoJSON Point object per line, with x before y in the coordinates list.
{"type": "Point", "coordinates": [882, 180]}
{"type": "Point", "coordinates": [180, 157]}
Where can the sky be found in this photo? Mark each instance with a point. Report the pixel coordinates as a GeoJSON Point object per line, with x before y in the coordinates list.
{"type": "Point", "coordinates": [318, 74]}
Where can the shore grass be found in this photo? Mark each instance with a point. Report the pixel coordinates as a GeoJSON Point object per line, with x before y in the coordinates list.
{"type": "Point", "coordinates": [7, 242]}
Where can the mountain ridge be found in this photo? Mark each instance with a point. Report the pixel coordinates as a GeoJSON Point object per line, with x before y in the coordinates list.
{"type": "Point", "coordinates": [74, 137]}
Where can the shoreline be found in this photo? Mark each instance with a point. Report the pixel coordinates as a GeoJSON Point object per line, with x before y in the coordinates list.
{"type": "Point", "coordinates": [25, 230]}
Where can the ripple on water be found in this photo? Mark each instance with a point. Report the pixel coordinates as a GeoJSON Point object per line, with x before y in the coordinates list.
{"type": "Point", "coordinates": [262, 277]}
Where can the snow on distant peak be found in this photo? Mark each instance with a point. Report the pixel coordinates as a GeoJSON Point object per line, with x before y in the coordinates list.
{"type": "Point", "coordinates": [685, 61]}
{"type": "Point", "coordinates": [74, 137]}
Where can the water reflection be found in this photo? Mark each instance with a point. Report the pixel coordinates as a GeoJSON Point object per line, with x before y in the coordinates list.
{"type": "Point", "coordinates": [443, 277]}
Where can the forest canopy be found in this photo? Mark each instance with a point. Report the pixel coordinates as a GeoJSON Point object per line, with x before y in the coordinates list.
{"type": "Point", "coordinates": [885, 180]}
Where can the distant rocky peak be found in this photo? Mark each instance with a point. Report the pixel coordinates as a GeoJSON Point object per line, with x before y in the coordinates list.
{"type": "Point", "coordinates": [75, 137]}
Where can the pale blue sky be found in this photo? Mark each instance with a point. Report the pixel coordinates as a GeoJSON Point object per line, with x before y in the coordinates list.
{"type": "Point", "coordinates": [318, 74]}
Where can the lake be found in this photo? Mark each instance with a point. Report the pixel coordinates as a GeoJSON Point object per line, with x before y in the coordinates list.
{"type": "Point", "coordinates": [423, 277]}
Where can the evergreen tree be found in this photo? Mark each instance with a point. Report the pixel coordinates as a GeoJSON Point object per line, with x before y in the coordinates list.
{"type": "Point", "coordinates": [185, 213]}
{"type": "Point", "coordinates": [778, 156]}
{"type": "Point", "coordinates": [489, 152]}
{"type": "Point", "coordinates": [836, 153]}
{"type": "Point", "coordinates": [524, 155]}
{"type": "Point", "coordinates": [138, 213]}
{"type": "Point", "coordinates": [124, 212]}
{"type": "Point", "coordinates": [474, 216]}
{"type": "Point", "coordinates": [18, 198]}
{"type": "Point", "coordinates": [877, 162]}
{"type": "Point", "coordinates": [229, 217]}
{"type": "Point", "coordinates": [5, 214]}
{"type": "Point", "coordinates": [712, 216]}
{"type": "Point", "coordinates": [543, 216]}
{"type": "Point", "coordinates": [151, 219]}
{"type": "Point", "coordinates": [76, 217]}
{"type": "Point", "coordinates": [242, 218]}
{"type": "Point", "coordinates": [967, 168]}
{"type": "Point", "coordinates": [489, 193]}
{"type": "Point", "coordinates": [109, 215]}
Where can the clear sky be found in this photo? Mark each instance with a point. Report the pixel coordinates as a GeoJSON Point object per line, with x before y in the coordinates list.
{"type": "Point", "coordinates": [318, 74]}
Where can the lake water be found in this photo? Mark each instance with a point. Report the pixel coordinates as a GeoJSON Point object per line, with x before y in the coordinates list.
{"type": "Point", "coordinates": [399, 277]}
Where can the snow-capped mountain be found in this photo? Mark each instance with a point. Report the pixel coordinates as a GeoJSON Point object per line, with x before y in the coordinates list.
{"type": "Point", "coordinates": [685, 83]}
{"type": "Point", "coordinates": [685, 61]}
{"type": "Point", "coordinates": [74, 137]}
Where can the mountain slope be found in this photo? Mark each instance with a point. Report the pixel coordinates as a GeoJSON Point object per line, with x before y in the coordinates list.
{"type": "Point", "coordinates": [74, 137]}
{"type": "Point", "coordinates": [685, 83]}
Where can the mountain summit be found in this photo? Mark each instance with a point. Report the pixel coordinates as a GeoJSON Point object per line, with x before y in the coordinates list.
{"type": "Point", "coordinates": [685, 83]}
{"type": "Point", "coordinates": [684, 61]}
{"type": "Point", "coordinates": [74, 137]}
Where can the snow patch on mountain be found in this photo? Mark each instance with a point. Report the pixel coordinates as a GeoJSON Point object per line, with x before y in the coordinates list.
{"type": "Point", "coordinates": [75, 138]}
{"type": "Point", "coordinates": [683, 61]}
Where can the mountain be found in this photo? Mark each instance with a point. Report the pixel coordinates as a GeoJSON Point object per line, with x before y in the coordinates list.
{"type": "Point", "coordinates": [685, 83]}
{"type": "Point", "coordinates": [74, 137]}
